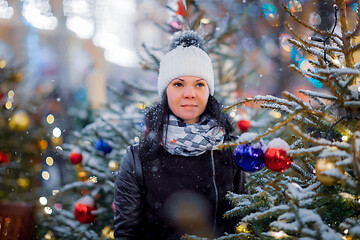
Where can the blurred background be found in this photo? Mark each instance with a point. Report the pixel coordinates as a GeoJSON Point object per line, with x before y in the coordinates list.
{"type": "Point", "coordinates": [62, 61]}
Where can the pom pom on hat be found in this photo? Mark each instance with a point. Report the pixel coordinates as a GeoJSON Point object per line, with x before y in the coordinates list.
{"type": "Point", "coordinates": [187, 57]}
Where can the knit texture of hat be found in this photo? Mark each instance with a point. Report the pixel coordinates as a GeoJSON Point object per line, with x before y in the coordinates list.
{"type": "Point", "coordinates": [187, 57]}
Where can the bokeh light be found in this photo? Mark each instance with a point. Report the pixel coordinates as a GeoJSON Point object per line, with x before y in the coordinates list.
{"type": "Point", "coordinates": [294, 6]}
{"type": "Point", "coordinates": [43, 201]}
{"type": "Point", "coordinates": [314, 19]}
{"type": "Point", "coordinates": [45, 175]}
{"type": "Point", "coordinates": [284, 37]}
{"type": "Point", "coordinates": [270, 11]}
{"type": "Point", "coordinates": [50, 119]}
{"type": "Point", "coordinates": [57, 132]}
{"type": "Point", "coordinates": [355, 7]}
{"type": "Point", "coordinates": [49, 161]}
{"type": "Point", "coordinates": [305, 65]}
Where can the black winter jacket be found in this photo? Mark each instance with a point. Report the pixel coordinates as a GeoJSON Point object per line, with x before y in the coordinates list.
{"type": "Point", "coordinates": [173, 195]}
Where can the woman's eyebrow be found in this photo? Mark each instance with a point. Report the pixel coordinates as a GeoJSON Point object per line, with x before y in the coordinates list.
{"type": "Point", "coordinates": [184, 80]}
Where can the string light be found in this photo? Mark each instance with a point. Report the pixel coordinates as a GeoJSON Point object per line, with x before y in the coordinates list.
{"type": "Point", "coordinates": [8, 105]}
{"type": "Point", "coordinates": [57, 132]}
{"type": "Point", "coordinates": [205, 21]}
{"type": "Point", "coordinates": [344, 138]}
{"type": "Point", "coordinates": [275, 114]}
{"type": "Point", "coordinates": [43, 201]}
{"type": "Point", "coordinates": [45, 175]}
{"type": "Point", "coordinates": [48, 210]}
{"type": "Point", "coordinates": [93, 179]}
{"type": "Point", "coordinates": [50, 119]}
{"type": "Point", "coordinates": [11, 94]}
{"type": "Point", "coordinates": [49, 161]}
{"type": "Point", "coordinates": [2, 64]}
{"type": "Point", "coordinates": [280, 234]}
{"type": "Point", "coordinates": [54, 192]}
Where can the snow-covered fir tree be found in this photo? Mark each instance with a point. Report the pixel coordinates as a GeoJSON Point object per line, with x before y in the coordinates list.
{"type": "Point", "coordinates": [83, 208]}
{"type": "Point", "coordinates": [310, 188]}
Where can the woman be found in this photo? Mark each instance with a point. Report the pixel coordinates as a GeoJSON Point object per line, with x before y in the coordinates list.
{"type": "Point", "coordinates": [174, 182]}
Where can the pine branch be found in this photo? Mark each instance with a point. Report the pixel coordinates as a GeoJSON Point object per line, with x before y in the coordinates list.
{"type": "Point", "coordinates": [322, 141]}
{"type": "Point", "coordinates": [296, 18]}
{"type": "Point", "coordinates": [305, 151]}
{"type": "Point", "coordinates": [274, 129]}
{"type": "Point", "coordinates": [307, 73]}
{"type": "Point", "coordinates": [356, 30]}
{"type": "Point", "coordinates": [301, 171]}
{"type": "Point", "coordinates": [312, 43]}
{"type": "Point", "coordinates": [156, 60]}
{"type": "Point", "coordinates": [355, 148]}
{"type": "Point", "coordinates": [259, 98]}
{"type": "Point", "coordinates": [314, 52]}
{"type": "Point", "coordinates": [313, 94]}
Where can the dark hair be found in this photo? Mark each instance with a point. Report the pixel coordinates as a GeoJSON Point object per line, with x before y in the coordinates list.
{"type": "Point", "coordinates": [158, 115]}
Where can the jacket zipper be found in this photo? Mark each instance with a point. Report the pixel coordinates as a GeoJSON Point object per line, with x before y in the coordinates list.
{"type": "Point", "coordinates": [215, 187]}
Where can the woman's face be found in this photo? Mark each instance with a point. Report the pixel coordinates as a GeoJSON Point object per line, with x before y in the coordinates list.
{"type": "Point", "coordinates": [187, 97]}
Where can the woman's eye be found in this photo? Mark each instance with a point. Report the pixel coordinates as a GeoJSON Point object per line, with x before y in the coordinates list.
{"type": "Point", "coordinates": [177, 84]}
{"type": "Point", "coordinates": [200, 85]}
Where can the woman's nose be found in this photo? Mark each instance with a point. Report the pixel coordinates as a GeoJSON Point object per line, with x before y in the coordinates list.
{"type": "Point", "coordinates": [189, 92]}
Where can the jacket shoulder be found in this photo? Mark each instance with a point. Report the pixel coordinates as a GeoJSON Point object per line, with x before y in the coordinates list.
{"type": "Point", "coordinates": [131, 162]}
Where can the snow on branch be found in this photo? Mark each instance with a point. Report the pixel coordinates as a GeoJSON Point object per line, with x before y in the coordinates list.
{"type": "Point", "coordinates": [280, 209]}
{"type": "Point", "coordinates": [304, 151]}
{"type": "Point", "coordinates": [315, 52]}
{"type": "Point", "coordinates": [307, 73]}
{"type": "Point", "coordinates": [318, 95]}
{"type": "Point", "coordinates": [320, 141]}
{"type": "Point", "coordinates": [312, 43]}
{"type": "Point", "coordinates": [339, 71]}
{"type": "Point", "coordinates": [260, 98]}
{"type": "Point", "coordinates": [297, 19]}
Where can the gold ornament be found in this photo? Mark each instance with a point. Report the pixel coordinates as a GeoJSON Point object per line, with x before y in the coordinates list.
{"type": "Point", "coordinates": [242, 228]}
{"type": "Point", "coordinates": [324, 164]}
{"type": "Point", "coordinates": [56, 141]}
{"type": "Point", "coordinates": [113, 165]}
{"type": "Point", "coordinates": [19, 121]}
{"type": "Point", "coordinates": [107, 233]}
{"type": "Point", "coordinates": [17, 77]}
{"type": "Point", "coordinates": [23, 182]}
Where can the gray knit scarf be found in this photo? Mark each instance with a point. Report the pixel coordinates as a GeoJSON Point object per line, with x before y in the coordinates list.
{"type": "Point", "coordinates": [192, 139]}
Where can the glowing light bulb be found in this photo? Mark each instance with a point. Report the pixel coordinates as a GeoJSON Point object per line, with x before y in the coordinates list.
{"type": "Point", "coordinates": [57, 132]}
{"type": "Point", "coordinates": [45, 175]}
{"type": "Point", "coordinates": [50, 119]}
{"type": "Point", "coordinates": [344, 138]}
{"type": "Point", "coordinates": [43, 200]}
{"type": "Point", "coordinates": [49, 161]}
{"type": "Point", "coordinates": [47, 210]}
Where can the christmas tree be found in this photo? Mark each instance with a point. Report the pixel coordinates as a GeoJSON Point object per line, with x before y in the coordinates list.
{"type": "Point", "coordinates": [310, 188]}
{"type": "Point", "coordinates": [23, 138]}
{"type": "Point", "coordinates": [83, 208]}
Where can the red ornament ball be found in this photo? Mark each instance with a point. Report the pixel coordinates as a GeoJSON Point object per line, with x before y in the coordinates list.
{"type": "Point", "coordinates": [1, 96]}
{"type": "Point", "coordinates": [276, 160]}
{"type": "Point", "coordinates": [244, 125]}
{"type": "Point", "coordinates": [75, 158]}
{"type": "Point", "coordinates": [83, 209]}
{"type": "Point", "coordinates": [4, 158]}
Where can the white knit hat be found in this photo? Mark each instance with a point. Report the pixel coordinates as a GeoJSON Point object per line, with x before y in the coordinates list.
{"type": "Point", "coordinates": [187, 57]}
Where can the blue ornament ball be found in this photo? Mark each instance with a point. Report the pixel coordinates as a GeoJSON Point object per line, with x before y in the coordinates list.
{"type": "Point", "coordinates": [103, 146]}
{"type": "Point", "coordinates": [249, 157]}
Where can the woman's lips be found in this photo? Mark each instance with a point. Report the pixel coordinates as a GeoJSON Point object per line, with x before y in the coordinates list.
{"type": "Point", "coordinates": [188, 105]}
